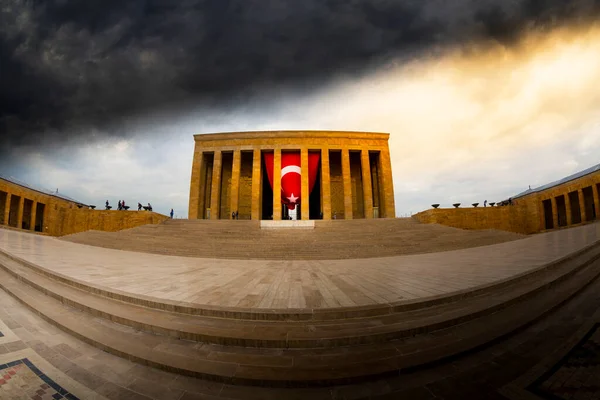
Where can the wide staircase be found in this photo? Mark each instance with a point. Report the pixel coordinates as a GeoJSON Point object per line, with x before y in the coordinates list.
{"type": "Point", "coordinates": [296, 348]}
{"type": "Point", "coordinates": [336, 239]}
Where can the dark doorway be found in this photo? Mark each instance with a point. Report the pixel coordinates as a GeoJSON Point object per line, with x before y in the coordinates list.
{"type": "Point", "coordinates": [39, 217]}
{"type": "Point", "coordinates": [575, 209]}
{"type": "Point", "coordinates": [267, 193]}
{"type": "Point", "coordinates": [376, 184]}
{"type": "Point", "coordinates": [314, 200]}
{"type": "Point", "coordinates": [27, 210]}
{"type": "Point", "coordinates": [548, 220]}
{"type": "Point", "coordinates": [3, 196]}
{"type": "Point", "coordinates": [588, 202]}
{"type": "Point", "coordinates": [14, 211]}
{"type": "Point", "coordinates": [561, 210]}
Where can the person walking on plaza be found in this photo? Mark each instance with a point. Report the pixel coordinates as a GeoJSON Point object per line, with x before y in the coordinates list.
{"type": "Point", "coordinates": [171, 213]}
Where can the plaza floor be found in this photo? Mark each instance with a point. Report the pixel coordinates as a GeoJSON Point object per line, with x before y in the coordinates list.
{"type": "Point", "coordinates": [556, 358]}
{"type": "Point", "coordinates": [302, 284]}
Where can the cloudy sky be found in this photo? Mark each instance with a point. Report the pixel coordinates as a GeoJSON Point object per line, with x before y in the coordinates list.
{"type": "Point", "coordinates": [100, 98]}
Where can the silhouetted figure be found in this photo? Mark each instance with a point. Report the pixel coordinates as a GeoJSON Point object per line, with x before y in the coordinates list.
{"type": "Point", "coordinates": [171, 213]}
{"type": "Point", "coordinates": [485, 203]}
{"type": "Point", "coordinates": [149, 207]}
{"type": "Point", "coordinates": [123, 205]}
{"type": "Point", "coordinates": [108, 207]}
{"type": "Point", "coordinates": [237, 215]}
{"type": "Point", "coordinates": [139, 206]}
{"type": "Point", "coordinates": [510, 201]}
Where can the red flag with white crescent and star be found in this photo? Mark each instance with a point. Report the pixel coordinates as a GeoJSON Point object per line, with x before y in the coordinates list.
{"type": "Point", "coordinates": [291, 181]}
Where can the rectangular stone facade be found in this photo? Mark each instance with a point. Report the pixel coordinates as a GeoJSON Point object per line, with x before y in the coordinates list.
{"type": "Point", "coordinates": [568, 204]}
{"type": "Point", "coordinates": [355, 174]}
{"type": "Point", "coordinates": [35, 211]}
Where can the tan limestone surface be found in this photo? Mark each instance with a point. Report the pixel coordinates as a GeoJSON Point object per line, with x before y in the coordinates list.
{"type": "Point", "coordinates": [329, 239]}
{"type": "Point", "coordinates": [296, 283]}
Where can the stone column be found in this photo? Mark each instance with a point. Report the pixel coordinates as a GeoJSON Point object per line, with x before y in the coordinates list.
{"type": "Point", "coordinates": [347, 184]}
{"type": "Point", "coordinates": [387, 192]}
{"type": "Point", "coordinates": [365, 167]}
{"type": "Point", "coordinates": [20, 213]}
{"type": "Point", "coordinates": [554, 212]}
{"type": "Point", "coordinates": [33, 216]}
{"type": "Point", "coordinates": [256, 184]}
{"type": "Point", "coordinates": [235, 181]}
{"type": "Point", "coordinates": [305, 214]}
{"type": "Point", "coordinates": [582, 205]}
{"type": "Point", "coordinates": [325, 184]}
{"type": "Point", "coordinates": [194, 211]}
{"type": "Point", "coordinates": [215, 195]}
{"type": "Point", "coordinates": [7, 209]}
{"type": "Point", "coordinates": [595, 190]}
{"type": "Point", "coordinates": [568, 207]}
{"type": "Point", "coordinates": [277, 185]}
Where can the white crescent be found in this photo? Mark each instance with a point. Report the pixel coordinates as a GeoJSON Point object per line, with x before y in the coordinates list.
{"type": "Point", "coordinates": [290, 168]}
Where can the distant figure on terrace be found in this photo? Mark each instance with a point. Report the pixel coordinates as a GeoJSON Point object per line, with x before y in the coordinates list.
{"type": "Point", "coordinates": [149, 207]}
{"type": "Point", "coordinates": [139, 206]}
{"type": "Point", "coordinates": [485, 203]}
{"type": "Point", "coordinates": [171, 213]}
{"type": "Point", "coordinates": [108, 207]}
{"type": "Point", "coordinates": [123, 205]}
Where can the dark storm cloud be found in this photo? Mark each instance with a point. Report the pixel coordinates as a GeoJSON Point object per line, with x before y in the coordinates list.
{"type": "Point", "coordinates": [69, 67]}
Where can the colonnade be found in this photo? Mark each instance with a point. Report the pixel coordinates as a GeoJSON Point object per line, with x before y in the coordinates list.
{"type": "Point", "coordinates": [199, 200]}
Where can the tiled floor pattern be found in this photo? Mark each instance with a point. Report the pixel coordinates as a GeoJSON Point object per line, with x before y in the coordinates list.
{"type": "Point", "coordinates": [577, 375]}
{"type": "Point", "coordinates": [20, 378]}
{"type": "Point", "coordinates": [502, 371]}
{"type": "Point", "coordinates": [306, 284]}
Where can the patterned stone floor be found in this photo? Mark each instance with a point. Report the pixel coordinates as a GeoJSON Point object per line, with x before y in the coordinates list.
{"type": "Point", "coordinates": [555, 358]}
{"type": "Point", "coordinates": [296, 284]}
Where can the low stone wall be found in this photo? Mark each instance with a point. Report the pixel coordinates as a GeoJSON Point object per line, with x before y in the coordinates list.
{"type": "Point", "coordinates": [79, 220]}
{"type": "Point", "coordinates": [508, 218]}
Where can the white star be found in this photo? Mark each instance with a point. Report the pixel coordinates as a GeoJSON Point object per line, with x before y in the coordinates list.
{"type": "Point", "coordinates": [292, 199]}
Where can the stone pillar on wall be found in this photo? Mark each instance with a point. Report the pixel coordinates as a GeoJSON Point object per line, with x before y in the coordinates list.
{"type": "Point", "coordinates": [325, 184]}
{"type": "Point", "coordinates": [347, 184]}
{"type": "Point", "coordinates": [256, 184]}
{"type": "Point", "coordinates": [581, 205]}
{"type": "Point", "coordinates": [554, 212]}
{"type": "Point", "coordinates": [235, 181]}
{"type": "Point", "coordinates": [568, 207]}
{"type": "Point", "coordinates": [595, 190]}
{"type": "Point", "coordinates": [215, 196]}
{"type": "Point", "coordinates": [193, 209]}
{"type": "Point", "coordinates": [20, 213]}
{"type": "Point", "coordinates": [305, 207]}
{"type": "Point", "coordinates": [388, 185]}
{"type": "Point", "coordinates": [33, 216]}
{"type": "Point", "coordinates": [365, 167]}
{"type": "Point", "coordinates": [7, 208]}
{"type": "Point", "coordinates": [277, 185]}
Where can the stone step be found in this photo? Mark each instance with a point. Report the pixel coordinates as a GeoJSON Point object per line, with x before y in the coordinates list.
{"type": "Point", "coordinates": [309, 328]}
{"type": "Point", "coordinates": [298, 367]}
{"type": "Point", "coordinates": [329, 239]}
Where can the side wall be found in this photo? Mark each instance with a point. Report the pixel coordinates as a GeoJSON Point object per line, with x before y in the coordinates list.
{"type": "Point", "coordinates": [527, 214]}
{"type": "Point", "coordinates": [79, 220]}
{"type": "Point", "coordinates": [62, 217]}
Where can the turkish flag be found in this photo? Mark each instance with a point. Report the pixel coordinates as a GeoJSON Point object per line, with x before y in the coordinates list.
{"type": "Point", "coordinates": [291, 180]}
